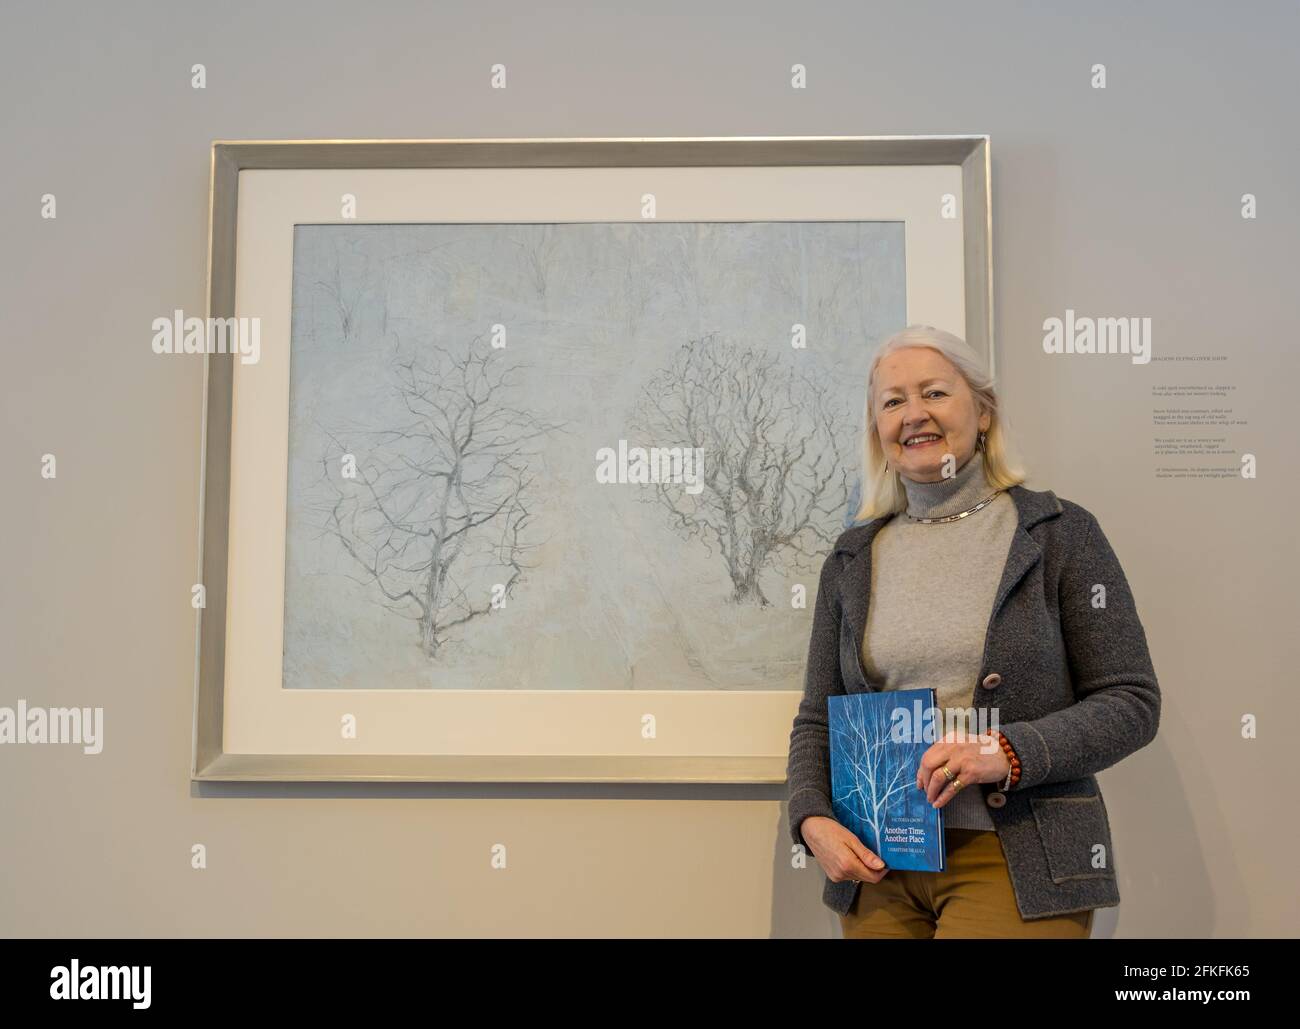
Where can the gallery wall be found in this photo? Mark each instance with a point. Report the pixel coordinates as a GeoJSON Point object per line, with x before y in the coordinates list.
{"type": "Point", "coordinates": [1122, 201]}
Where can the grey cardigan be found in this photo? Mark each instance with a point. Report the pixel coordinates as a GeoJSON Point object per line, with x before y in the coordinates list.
{"type": "Point", "coordinates": [1073, 684]}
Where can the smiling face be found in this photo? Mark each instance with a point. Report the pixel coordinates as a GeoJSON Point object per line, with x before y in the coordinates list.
{"type": "Point", "coordinates": [919, 392]}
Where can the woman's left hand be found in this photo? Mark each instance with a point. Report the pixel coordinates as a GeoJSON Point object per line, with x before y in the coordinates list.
{"type": "Point", "coordinates": [971, 759]}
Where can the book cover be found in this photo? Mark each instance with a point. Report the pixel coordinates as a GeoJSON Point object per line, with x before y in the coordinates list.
{"type": "Point", "coordinates": [877, 741]}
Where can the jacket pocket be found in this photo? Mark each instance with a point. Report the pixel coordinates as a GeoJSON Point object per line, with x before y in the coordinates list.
{"type": "Point", "coordinates": [1072, 828]}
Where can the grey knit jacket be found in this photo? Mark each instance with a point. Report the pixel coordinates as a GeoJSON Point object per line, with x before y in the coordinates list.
{"type": "Point", "coordinates": [1072, 682]}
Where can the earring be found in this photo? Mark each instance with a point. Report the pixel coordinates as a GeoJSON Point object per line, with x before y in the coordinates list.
{"type": "Point", "coordinates": [983, 442]}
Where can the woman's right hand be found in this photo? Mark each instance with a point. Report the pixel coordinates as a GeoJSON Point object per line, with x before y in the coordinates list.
{"type": "Point", "coordinates": [839, 851]}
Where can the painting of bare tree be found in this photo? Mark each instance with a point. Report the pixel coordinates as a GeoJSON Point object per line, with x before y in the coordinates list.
{"type": "Point", "coordinates": [780, 449]}
{"type": "Point", "coordinates": [428, 497]}
{"type": "Point", "coordinates": [451, 523]}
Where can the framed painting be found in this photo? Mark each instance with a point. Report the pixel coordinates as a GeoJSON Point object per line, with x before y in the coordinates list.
{"type": "Point", "coordinates": [530, 450]}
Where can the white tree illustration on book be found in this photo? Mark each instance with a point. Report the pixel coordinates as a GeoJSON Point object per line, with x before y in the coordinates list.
{"type": "Point", "coordinates": [442, 496]}
{"type": "Point", "coordinates": [874, 756]}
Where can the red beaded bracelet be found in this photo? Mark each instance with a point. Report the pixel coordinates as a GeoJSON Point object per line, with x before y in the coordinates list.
{"type": "Point", "coordinates": [1011, 757]}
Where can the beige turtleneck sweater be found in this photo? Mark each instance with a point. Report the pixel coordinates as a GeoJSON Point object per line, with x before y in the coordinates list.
{"type": "Point", "coordinates": [932, 591]}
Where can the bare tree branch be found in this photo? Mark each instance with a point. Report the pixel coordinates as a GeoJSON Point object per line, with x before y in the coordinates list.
{"type": "Point", "coordinates": [441, 495]}
{"type": "Point", "coordinates": [774, 447]}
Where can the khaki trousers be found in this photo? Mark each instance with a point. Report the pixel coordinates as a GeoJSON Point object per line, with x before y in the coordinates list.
{"type": "Point", "coordinates": [972, 897]}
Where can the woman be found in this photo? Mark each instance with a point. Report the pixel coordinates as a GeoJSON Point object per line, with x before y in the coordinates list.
{"type": "Point", "coordinates": [1012, 605]}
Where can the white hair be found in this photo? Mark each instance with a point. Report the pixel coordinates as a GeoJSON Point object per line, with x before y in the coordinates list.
{"type": "Point", "coordinates": [882, 488]}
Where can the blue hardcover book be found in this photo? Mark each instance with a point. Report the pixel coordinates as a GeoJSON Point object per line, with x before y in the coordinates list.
{"type": "Point", "coordinates": [877, 740]}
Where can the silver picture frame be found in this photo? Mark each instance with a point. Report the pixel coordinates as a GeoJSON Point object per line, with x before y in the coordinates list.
{"type": "Point", "coordinates": [210, 760]}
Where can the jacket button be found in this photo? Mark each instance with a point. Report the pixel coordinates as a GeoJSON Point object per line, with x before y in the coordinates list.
{"type": "Point", "coordinates": [991, 680]}
{"type": "Point", "coordinates": [996, 799]}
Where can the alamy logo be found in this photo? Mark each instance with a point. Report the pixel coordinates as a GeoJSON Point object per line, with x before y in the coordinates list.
{"type": "Point", "coordinates": [53, 725]}
{"type": "Point", "coordinates": [1098, 336]}
{"type": "Point", "coordinates": [658, 464]}
{"type": "Point", "coordinates": [181, 335]}
{"type": "Point", "coordinates": [954, 724]}
{"type": "Point", "coordinates": [102, 982]}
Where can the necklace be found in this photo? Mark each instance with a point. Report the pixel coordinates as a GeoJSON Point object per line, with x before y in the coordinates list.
{"type": "Point", "coordinates": [960, 514]}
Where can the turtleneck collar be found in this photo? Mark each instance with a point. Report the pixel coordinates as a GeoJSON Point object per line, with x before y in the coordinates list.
{"type": "Point", "coordinates": [948, 496]}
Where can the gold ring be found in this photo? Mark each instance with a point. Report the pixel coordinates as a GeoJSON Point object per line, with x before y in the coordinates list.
{"type": "Point", "coordinates": [948, 773]}
{"type": "Point", "coordinates": [956, 785]}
